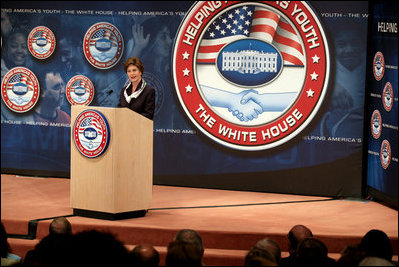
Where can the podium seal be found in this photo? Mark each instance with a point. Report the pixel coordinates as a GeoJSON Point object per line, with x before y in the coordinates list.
{"type": "Point", "coordinates": [91, 133]}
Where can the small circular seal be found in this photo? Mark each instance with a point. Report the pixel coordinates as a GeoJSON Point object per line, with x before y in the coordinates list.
{"type": "Point", "coordinates": [41, 42]}
{"type": "Point", "coordinates": [385, 154]}
{"type": "Point", "coordinates": [79, 90]}
{"type": "Point", "coordinates": [387, 97]}
{"type": "Point", "coordinates": [376, 124]}
{"type": "Point", "coordinates": [20, 89]}
{"type": "Point", "coordinates": [103, 45]}
{"type": "Point", "coordinates": [91, 133]}
{"type": "Point", "coordinates": [378, 66]}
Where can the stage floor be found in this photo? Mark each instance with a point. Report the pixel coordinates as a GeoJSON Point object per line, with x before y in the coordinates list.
{"type": "Point", "coordinates": [230, 222]}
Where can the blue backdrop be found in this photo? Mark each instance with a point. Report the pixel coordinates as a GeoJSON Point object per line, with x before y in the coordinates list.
{"type": "Point", "coordinates": [148, 29]}
{"type": "Point", "coordinates": [383, 176]}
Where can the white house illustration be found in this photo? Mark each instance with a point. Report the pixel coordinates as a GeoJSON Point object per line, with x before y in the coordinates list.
{"type": "Point", "coordinates": [249, 61]}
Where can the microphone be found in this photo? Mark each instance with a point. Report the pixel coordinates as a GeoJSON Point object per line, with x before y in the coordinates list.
{"type": "Point", "coordinates": [105, 98]}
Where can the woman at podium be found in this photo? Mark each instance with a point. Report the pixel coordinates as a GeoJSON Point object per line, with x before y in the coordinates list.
{"type": "Point", "coordinates": [137, 94]}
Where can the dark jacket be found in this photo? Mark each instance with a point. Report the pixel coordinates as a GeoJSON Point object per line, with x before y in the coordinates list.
{"type": "Point", "coordinates": [144, 104]}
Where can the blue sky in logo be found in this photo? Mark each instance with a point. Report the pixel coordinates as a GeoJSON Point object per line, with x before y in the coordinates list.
{"type": "Point", "coordinates": [253, 69]}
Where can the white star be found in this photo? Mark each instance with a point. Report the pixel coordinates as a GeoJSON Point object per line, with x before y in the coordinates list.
{"type": "Point", "coordinates": [246, 32]}
{"type": "Point", "coordinates": [315, 59]}
{"type": "Point", "coordinates": [247, 22]}
{"type": "Point", "coordinates": [310, 92]}
{"type": "Point", "coordinates": [240, 27]}
{"type": "Point", "coordinates": [217, 27]}
{"type": "Point", "coordinates": [188, 89]}
{"type": "Point", "coordinates": [242, 17]}
{"type": "Point", "coordinates": [249, 13]}
{"type": "Point", "coordinates": [185, 55]}
{"type": "Point", "coordinates": [212, 34]}
{"type": "Point", "coordinates": [233, 31]}
{"type": "Point", "coordinates": [186, 72]}
{"type": "Point", "coordinates": [228, 26]}
{"type": "Point", "coordinates": [231, 16]}
{"type": "Point", "coordinates": [235, 22]}
{"type": "Point", "coordinates": [314, 76]}
{"type": "Point", "coordinates": [222, 32]}
{"type": "Point", "coordinates": [224, 21]}
{"type": "Point", "coordinates": [237, 11]}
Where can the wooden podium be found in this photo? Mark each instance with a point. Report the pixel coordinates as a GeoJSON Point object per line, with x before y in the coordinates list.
{"type": "Point", "coordinates": [118, 183]}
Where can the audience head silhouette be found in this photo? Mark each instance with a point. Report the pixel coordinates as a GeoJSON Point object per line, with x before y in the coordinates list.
{"type": "Point", "coordinates": [296, 235]}
{"type": "Point", "coordinates": [182, 253]}
{"type": "Point", "coordinates": [7, 258]}
{"type": "Point", "coordinates": [352, 255]}
{"type": "Point", "coordinates": [95, 248]}
{"type": "Point", "coordinates": [4, 246]}
{"type": "Point", "coordinates": [259, 257]}
{"type": "Point", "coordinates": [60, 225]}
{"type": "Point", "coordinates": [190, 236]}
{"type": "Point", "coordinates": [271, 246]}
{"type": "Point", "coordinates": [313, 252]}
{"type": "Point", "coordinates": [375, 261]}
{"type": "Point", "coordinates": [52, 250]}
{"type": "Point", "coordinates": [144, 255]}
{"type": "Point", "coordinates": [377, 244]}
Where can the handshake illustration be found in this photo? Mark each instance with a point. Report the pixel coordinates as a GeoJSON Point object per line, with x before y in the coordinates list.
{"type": "Point", "coordinates": [248, 104]}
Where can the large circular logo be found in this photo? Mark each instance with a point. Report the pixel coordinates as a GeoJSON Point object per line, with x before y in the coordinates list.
{"type": "Point", "coordinates": [103, 45]}
{"type": "Point", "coordinates": [378, 66]}
{"type": "Point", "coordinates": [79, 90]}
{"type": "Point", "coordinates": [91, 133]}
{"type": "Point", "coordinates": [20, 89]}
{"type": "Point", "coordinates": [387, 97]}
{"type": "Point", "coordinates": [251, 75]}
{"type": "Point", "coordinates": [385, 154]}
{"type": "Point", "coordinates": [41, 42]}
{"type": "Point", "coordinates": [376, 124]}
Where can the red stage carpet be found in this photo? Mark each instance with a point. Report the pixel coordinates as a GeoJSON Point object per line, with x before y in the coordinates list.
{"type": "Point", "coordinates": [230, 222]}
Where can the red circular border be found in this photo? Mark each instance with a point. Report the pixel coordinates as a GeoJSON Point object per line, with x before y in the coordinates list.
{"type": "Point", "coordinates": [36, 89]}
{"type": "Point", "coordinates": [303, 103]}
{"type": "Point", "coordinates": [376, 136]}
{"type": "Point", "coordinates": [104, 141]}
{"type": "Point", "coordinates": [86, 42]}
{"type": "Point", "coordinates": [68, 90]}
{"type": "Point", "coordinates": [388, 84]}
{"type": "Point", "coordinates": [378, 78]}
{"type": "Point", "coordinates": [385, 166]}
{"type": "Point", "coordinates": [52, 38]}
